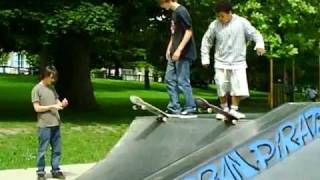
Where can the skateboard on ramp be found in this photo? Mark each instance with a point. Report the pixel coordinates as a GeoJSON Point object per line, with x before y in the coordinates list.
{"type": "Point", "coordinates": [204, 104]}
{"type": "Point", "coordinates": [140, 104]}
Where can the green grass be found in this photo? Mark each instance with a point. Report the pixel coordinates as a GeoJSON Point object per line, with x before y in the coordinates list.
{"type": "Point", "coordinates": [87, 136]}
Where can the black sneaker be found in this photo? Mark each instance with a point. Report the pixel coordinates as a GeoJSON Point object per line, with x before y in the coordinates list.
{"type": "Point", "coordinates": [41, 177]}
{"type": "Point", "coordinates": [58, 175]}
{"type": "Point", "coordinates": [172, 112]}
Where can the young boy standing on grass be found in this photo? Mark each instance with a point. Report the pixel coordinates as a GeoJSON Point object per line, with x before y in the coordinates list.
{"type": "Point", "coordinates": [180, 54]}
{"type": "Point", "coordinates": [47, 105]}
{"type": "Point", "coordinates": [230, 32]}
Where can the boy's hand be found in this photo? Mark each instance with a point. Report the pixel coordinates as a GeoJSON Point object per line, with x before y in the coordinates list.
{"type": "Point", "coordinates": [57, 107]}
{"type": "Point", "coordinates": [59, 103]}
{"type": "Point", "coordinates": [176, 55]}
{"type": "Point", "coordinates": [260, 51]}
{"type": "Point", "coordinates": [64, 103]}
{"type": "Point", "coordinates": [168, 55]}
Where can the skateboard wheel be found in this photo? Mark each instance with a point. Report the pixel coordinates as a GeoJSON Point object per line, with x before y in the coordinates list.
{"type": "Point", "coordinates": [199, 110]}
{"type": "Point", "coordinates": [209, 110]}
{"type": "Point", "coordinates": [162, 119]}
{"type": "Point", "coordinates": [234, 122]}
{"type": "Point", "coordinates": [143, 107]}
{"type": "Point", "coordinates": [134, 107]}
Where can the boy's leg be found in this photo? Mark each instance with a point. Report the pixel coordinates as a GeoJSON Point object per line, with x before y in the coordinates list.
{"type": "Point", "coordinates": [223, 100]}
{"type": "Point", "coordinates": [222, 81]}
{"type": "Point", "coordinates": [172, 87]}
{"type": "Point", "coordinates": [43, 138]}
{"type": "Point", "coordinates": [55, 142]}
{"type": "Point", "coordinates": [235, 100]}
{"type": "Point", "coordinates": [183, 74]}
{"type": "Point", "coordinates": [239, 88]}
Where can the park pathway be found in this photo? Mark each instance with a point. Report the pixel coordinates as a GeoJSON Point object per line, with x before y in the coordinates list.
{"type": "Point", "coordinates": [71, 172]}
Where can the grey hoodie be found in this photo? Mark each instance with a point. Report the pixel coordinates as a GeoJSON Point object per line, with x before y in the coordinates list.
{"type": "Point", "coordinates": [230, 42]}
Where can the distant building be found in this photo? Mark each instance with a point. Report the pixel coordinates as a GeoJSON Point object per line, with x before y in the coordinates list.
{"type": "Point", "coordinates": [136, 74]}
{"type": "Point", "coordinates": [16, 64]}
{"type": "Point", "coordinates": [128, 74]}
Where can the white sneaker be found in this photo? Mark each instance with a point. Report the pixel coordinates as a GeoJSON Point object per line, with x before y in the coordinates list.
{"type": "Point", "coordinates": [220, 116]}
{"type": "Point", "coordinates": [237, 114]}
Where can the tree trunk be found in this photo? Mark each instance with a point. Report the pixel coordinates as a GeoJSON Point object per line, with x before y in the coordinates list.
{"type": "Point", "coordinates": [285, 82]}
{"type": "Point", "coordinates": [108, 72]}
{"type": "Point", "coordinates": [146, 79]}
{"type": "Point", "coordinates": [117, 69]}
{"type": "Point", "coordinates": [72, 62]}
{"type": "Point", "coordinates": [319, 68]}
{"type": "Point", "coordinates": [44, 57]}
{"type": "Point", "coordinates": [271, 94]}
{"type": "Point", "coordinates": [293, 78]}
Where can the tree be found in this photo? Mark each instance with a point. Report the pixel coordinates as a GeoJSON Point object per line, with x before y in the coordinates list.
{"type": "Point", "coordinates": [4, 57]}
{"type": "Point", "coordinates": [65, 33]}
{"type": "Point", "coordinates": [282, 30]}
{"type": "Point", "coordinates": [146, 67]}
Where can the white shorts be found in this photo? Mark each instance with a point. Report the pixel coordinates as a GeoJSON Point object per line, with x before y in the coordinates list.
{"type": "Point", "coordinates": [233, 81]}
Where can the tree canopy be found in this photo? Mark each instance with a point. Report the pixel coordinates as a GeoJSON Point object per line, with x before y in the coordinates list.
{"type": "Point", "coordinates": [77, 35]}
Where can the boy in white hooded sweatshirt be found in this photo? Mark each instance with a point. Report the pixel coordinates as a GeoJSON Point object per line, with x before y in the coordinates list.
{"type": "Point", "coordinates": [229, 33]}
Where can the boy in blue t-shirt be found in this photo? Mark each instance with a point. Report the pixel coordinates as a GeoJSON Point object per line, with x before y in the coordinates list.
{"type": "Point", "coordinates": [181, 52]}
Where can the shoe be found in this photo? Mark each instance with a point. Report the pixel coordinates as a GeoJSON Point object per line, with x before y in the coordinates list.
{"type": "Point", "coordinates": [58, 175]}
{"type": "Point", "coordinates": [220, 116]}
{"type": "Point", "coordinates": [42, 176]}
{"type": "Point", "coordinates": [237, 114]}
{"type": "Point", "coordinates": [189, 112]}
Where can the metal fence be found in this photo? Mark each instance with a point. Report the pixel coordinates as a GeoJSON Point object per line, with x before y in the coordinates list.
{"type": "Point", "coordinates": [128, 77]}
{"type": "Point", "coordinates": [19, 70]}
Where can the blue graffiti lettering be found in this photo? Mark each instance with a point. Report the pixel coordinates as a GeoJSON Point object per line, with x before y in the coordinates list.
{"type": "Point", "coordinates": [239, 167]}
{"type": "Point", "coordinates": [288, 138]}
{"type": "Point", "coordinates": [317, 125]}
{"type": "Point", "coordinates": [303, 131]}
{"type": "Point", "coordinates": [262, 158]}
{"type": "Point", "coordinates": [225, 171]}
{"type": "Point", "coordinates": [310, 117]}
{"type": "Point", "coordinates": [288, 142]}
{"type": "Point", "coordinates": [209, 172]}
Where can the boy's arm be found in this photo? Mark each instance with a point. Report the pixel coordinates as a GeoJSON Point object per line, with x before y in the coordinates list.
{"type": "Point", "coordinates": [254, 35]}
{"type": "Point", "coordinates": [35, 99]}
{"type": "Point", "coordinates": [186, 38]}
{"type": "Point", "coordinates": [168, 49]}
{"type": "Point", "coordinates": [38, 108]}
{"type": "Point", "coordinates": [206, 44]}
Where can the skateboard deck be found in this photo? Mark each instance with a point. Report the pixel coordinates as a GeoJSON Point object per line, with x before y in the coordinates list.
{"type": "Point", "coordinates": [139, 103]}
{"type": "Point", "coordinates": [204, 104]}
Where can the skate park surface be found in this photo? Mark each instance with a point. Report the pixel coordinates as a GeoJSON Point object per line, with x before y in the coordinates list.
{"type": "Point", "coordinates": [281, 144]}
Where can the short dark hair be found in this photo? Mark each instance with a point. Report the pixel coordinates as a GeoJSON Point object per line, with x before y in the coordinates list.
{"type": "Point", "coordinates": [223, 6]}
{"type": "Point", "coordinates": [48, 71]}
{"type": "Point", "coordinates": [165, 1]}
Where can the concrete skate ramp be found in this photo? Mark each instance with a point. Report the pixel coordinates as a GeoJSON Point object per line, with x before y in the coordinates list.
{"type": "Point", "coordinates": [304, 164]}
{"type": "Point", "coordinates": [189, 148]}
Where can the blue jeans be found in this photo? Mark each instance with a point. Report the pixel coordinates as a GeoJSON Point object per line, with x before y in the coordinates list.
{"type": "Point", "coordinates": [178, 78]}
{"type": "Point", "coordinates": [49, 135]}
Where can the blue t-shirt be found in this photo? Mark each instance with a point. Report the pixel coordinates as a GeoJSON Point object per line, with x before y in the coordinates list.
{"type": "Point", "coordinates": [181, 21]}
